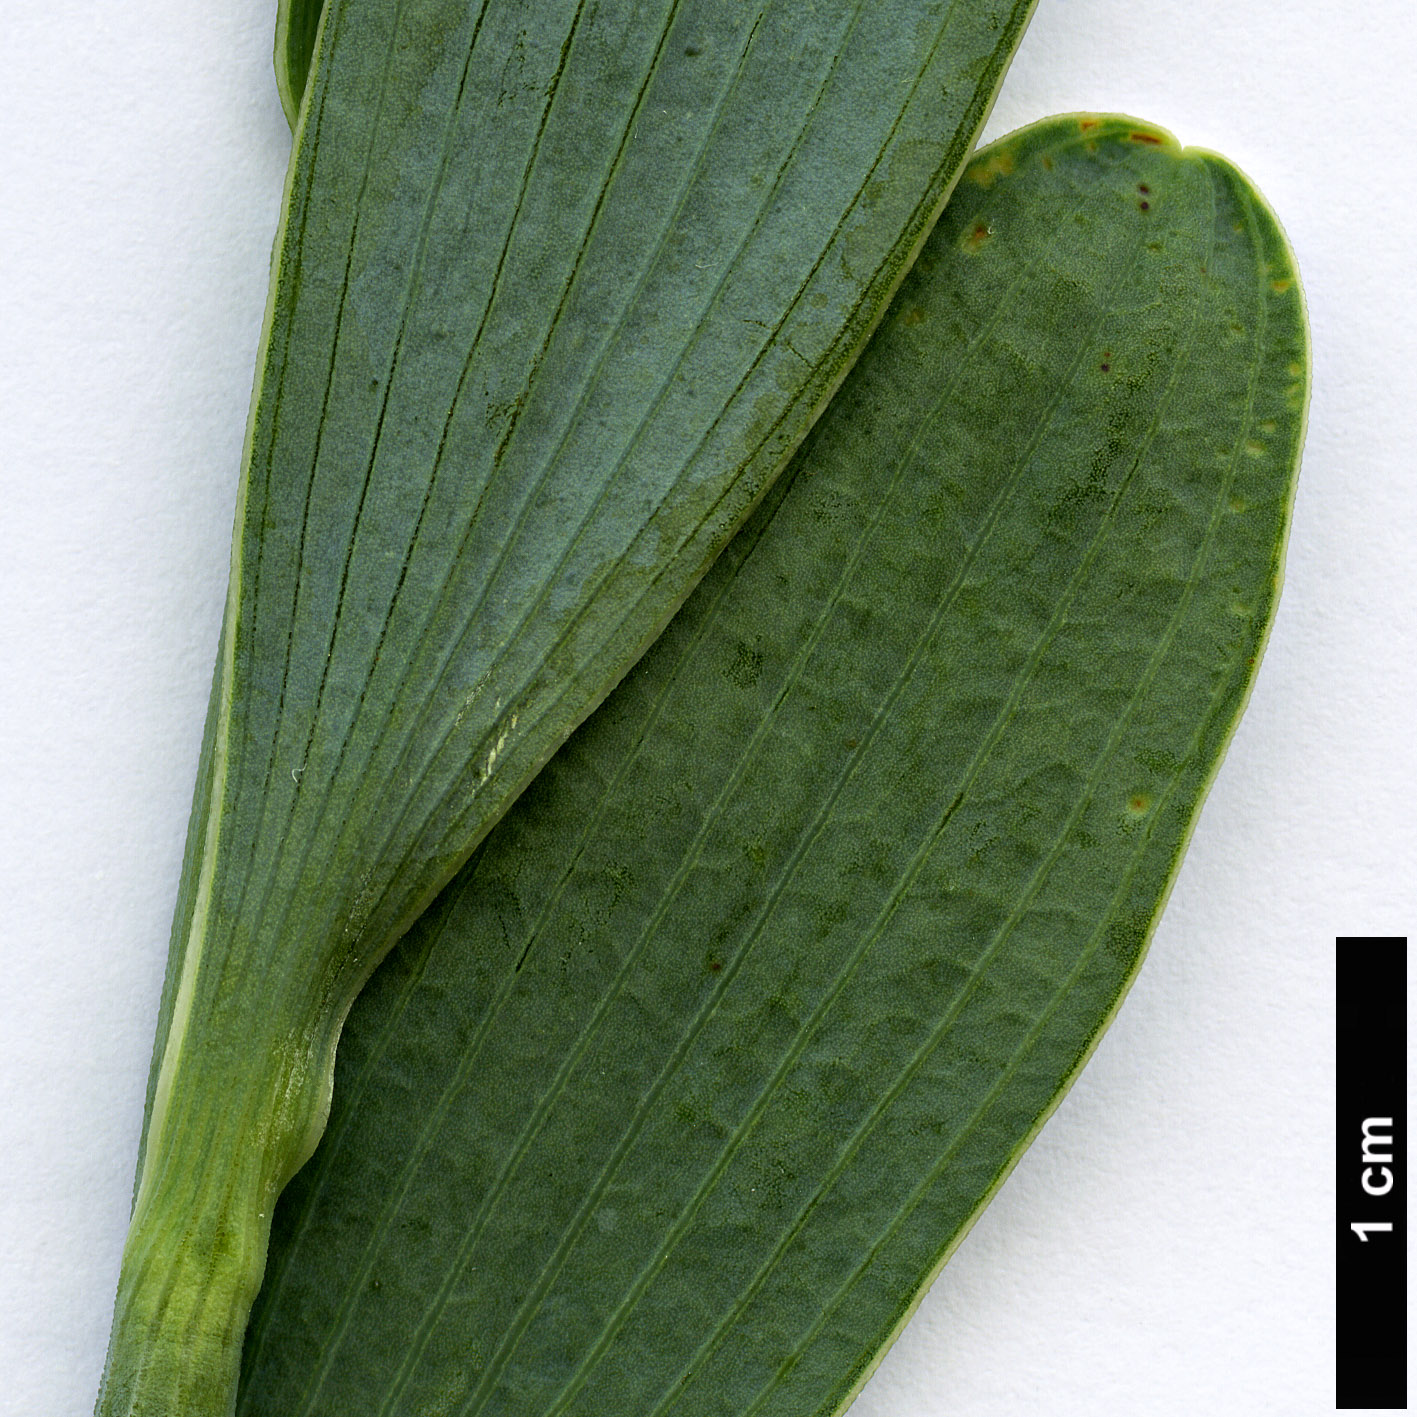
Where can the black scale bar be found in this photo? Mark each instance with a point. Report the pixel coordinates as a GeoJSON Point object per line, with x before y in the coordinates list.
{"type": "Point", "coordinates": [1371, 1169]}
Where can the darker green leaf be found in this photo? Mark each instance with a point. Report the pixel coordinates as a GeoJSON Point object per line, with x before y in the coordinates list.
{"type": "Point", "coordinates": [683, 1091]}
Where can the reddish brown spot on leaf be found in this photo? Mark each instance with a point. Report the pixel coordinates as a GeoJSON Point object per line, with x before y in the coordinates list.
{"type": "Point", "coordinates": [997, 164]}
{"type": "Point", "coordinates": [975, 237]}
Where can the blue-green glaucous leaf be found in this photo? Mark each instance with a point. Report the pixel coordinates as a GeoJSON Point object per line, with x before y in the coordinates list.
{"type": "Point", "coordinates": [679, 1097]}
{"type": "Point", "coordinates": [558, 287]}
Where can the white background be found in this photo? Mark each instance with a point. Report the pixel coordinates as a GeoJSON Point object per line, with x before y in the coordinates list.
{"type": "Point", "coordinates": [1166, 1246]}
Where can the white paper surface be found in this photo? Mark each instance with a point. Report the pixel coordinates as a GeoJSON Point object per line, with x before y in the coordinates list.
{"type": "Point", "coordinates": [1165, 1248]}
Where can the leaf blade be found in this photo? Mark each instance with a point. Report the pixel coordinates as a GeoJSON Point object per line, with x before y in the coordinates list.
{"type": "Point", "coordinates": [774, 882]}
{"type": "Point", "coordinates": [402, 533]}
{"type": "Point", "coordinates": [556, 291]}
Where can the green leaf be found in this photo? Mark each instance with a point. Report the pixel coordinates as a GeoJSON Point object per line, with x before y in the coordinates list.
{"type": "Point", "coordinates": [297, 26]}
{"type": "Point", "coordinates": [558, 288]}
{"type": "Point", "coordinates": [677, 1100]}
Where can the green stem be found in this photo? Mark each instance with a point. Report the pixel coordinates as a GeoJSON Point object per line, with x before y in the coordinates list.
{"type": "Point", "coordinates": [188, 1280]}
{"type": "Point", "coordinates": [196, 1247]}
